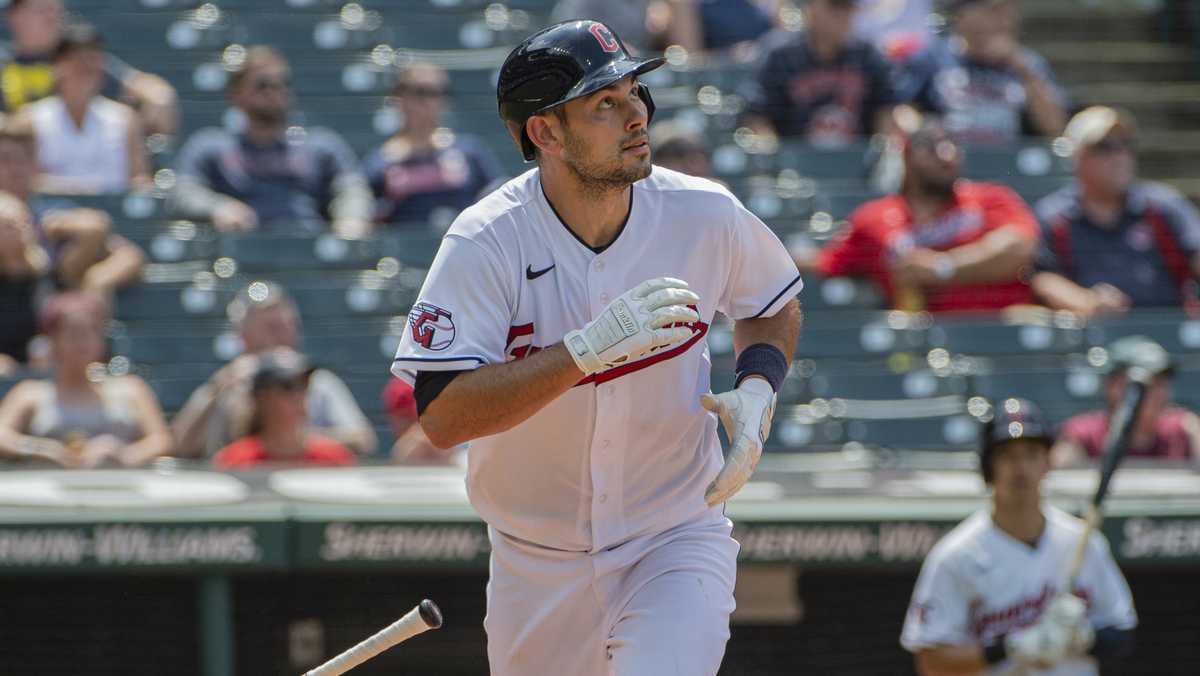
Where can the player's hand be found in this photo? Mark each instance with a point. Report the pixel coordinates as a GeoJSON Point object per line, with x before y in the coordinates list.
{"type": "Point", "coordinates": [745, 414]}
{"type": "Point", "coordinates": [1042, 645]}
{"type": "Point", "coordinates": [1070, 613]}
{"type": "Point", "coordinates": [640, 320]}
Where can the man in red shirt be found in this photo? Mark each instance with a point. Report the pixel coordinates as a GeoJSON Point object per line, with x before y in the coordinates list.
{"type": "Point", "coordinates": [278, 427]}
{"type": "Point", "coordinates": [942, 243]}
{"type": "Point", "coordinates": [1161, 430]}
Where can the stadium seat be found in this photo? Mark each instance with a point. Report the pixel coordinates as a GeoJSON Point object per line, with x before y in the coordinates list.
{"type": "Point", "coordinates": [1061, 386]}
{"type": "Point", "coordinates": [925, 424]}
{"type": "Point", "coordinates": [857, 334]}
{"type": "Point", "coordinates": [1175, 331]}
{"type": "Point", "coordinates": [988, 335]}
{"type": "Point", "coordinates": [268, 253]}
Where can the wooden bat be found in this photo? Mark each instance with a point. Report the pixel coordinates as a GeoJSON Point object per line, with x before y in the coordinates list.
{"type": "Point", "coordinates": [1116, 444]}
{"type": "Point", "coordinates": [424, 617]}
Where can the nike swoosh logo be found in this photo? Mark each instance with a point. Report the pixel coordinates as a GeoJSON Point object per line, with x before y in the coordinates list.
{"type": "Point", "coordinates": [530, 274]}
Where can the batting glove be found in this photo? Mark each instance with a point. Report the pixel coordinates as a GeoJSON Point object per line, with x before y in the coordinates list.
{"type": "Point", "coordinates": [1070, 612]}
{"type": "Point", "coordinates": [640, 320]}
{"type": "Point", "coordinates": [1042, 645]}
{"type": "Point", "coordinates": [745, 414]}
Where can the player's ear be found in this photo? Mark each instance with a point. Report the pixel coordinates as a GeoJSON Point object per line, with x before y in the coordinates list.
{"type": "Point", "coordinates": [545, 132]}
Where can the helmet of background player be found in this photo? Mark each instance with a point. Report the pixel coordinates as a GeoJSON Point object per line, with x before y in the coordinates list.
{"type": "Point", "coordinates": [1007, 420]}
{"type": "Point", "coordinates": [561, 63]}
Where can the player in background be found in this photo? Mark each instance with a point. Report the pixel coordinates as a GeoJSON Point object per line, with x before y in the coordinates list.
{"type": "Point", "coordinates": [561, 331]}
{"type": "Point", "coordinates": [990, 599]}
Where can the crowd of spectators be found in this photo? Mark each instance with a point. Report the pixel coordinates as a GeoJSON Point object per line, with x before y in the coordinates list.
{"type": "Point", "coordinates": [77, 120]}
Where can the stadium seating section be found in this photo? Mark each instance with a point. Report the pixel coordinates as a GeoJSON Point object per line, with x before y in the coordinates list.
{"type": "Point", "coordinates": [862, 374]}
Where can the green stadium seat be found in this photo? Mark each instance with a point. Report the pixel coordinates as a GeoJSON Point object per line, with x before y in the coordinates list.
{"type": "Point", "coordinates": [1174, 330]}
{"type": "Point", "coordinates": [265, 253]}
{"type": "Point", "coordinates": [1061, 387]}
{"type": "Point", "coordinates": [922, 424]}
{"type": "Point", "coordinates": [858, 334]}
{"type": "Point", "coordinates": [988, 335]}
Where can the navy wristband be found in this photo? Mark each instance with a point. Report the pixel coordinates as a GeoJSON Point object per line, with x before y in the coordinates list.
{"type": "Point", "coordinates": [996, 652]}
{"type": "Point", "coordinates": [761, 359]}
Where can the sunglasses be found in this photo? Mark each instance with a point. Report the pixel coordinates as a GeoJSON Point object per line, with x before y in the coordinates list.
{"type": "Point", "coordinates": [267, 84]}
{"type": "Point", "coordinates": [290, 386]}
{"type": "Point", "coordinates": [1112, 146]}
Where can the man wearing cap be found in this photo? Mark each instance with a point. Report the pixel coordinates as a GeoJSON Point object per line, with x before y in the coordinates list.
{"type": "Point", "coordinates": [990, 597]}
{"type": "Point", "coordinates": [561, 332]}
{"type": "Point", "coordinates": [1111, 242]}
{"type": "Point", "coordinates": [1161, 429]}
{"type": "Point", "coordinates": [276, 429]}
{"type": "Point", "coordinates": [990, 87]}
{"type": "Point", "coordinates": [822, 85]}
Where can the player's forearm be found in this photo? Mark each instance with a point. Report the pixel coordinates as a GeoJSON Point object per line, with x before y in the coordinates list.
{"type": "Point", "coordinates": [497, 397]}
{"type": "Point", "coordinates": [780, 330]}
{"type": "Point", "coordinates": [951, 660]}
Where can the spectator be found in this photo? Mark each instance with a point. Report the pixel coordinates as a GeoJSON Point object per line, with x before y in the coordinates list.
{"type": "Point", "coordinates": [84, 252]}
{"type": "Point", "coordinates": [942, 243]}
{"type": "Point", "coordinates": [278, 430]}
{"type": "Point", "coordinates": [86, 143]}
{"type": "Point", "coordinates": [990, 88]}
{"type": "Point", "coordinates": [680, 148]}
{"type": "Point", "coordinates": [80, 416]}
{"type": "Point", "coordinates": [822, 85]}
{"type": "Point", "coordinates": [266, 318]}
{"type": "Point", "coordinates": [261, 176]}
{"type": "Point", "coordinates": [1110, 241]}
{"type": "Point", "coordinates": [23, 263]}
{"type": "Point", "coordinates": [411, 446]}
{"type": "Point", "coordinates": [1160, 430]}
{"type": "Point", "coordinates": [652, 25]}
{"type": "Point", "coordinates": [425, 166]}
{"type": "Point", "coordinates": [28, 72]}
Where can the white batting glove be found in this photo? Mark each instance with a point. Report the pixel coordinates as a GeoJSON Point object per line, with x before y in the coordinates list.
{"type": "Point", "coordinates": [745, 414]}
{"type": "Point", "coordinates": [1069, 612]}
{"type": "Point", "coordinates": [637, 322]}
{"type": "Point", "coordinates": [1042, 645]}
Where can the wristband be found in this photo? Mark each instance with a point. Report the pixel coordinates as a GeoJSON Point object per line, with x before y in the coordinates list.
{"type": "Point", "coordinates": [996, 652]}
{"type": "Point", "coordinates": [761, 359]}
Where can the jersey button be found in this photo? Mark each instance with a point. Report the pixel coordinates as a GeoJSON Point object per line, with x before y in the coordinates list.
{"type": "Point", "coordinates": [603, 498]}
{"type": "Point", "coordinates": [599, 266]}
{"type": "Point", "coordinates": [604, 298]}
{"type": "Point", "coordinates": [605, 444]}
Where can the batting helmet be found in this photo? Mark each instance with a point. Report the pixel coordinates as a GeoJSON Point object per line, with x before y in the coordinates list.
{"type": "Point", "coordinates": [560, 63]}
{"type": "Point", "coordinates": [1011, 419]}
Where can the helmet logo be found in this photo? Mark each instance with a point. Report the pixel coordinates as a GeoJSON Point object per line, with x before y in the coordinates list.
{"type": "Point", "coordinates": [607, 42]}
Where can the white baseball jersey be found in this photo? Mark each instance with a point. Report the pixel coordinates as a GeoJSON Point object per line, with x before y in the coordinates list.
{"type": "Point", "coordinates": [628, 451]}
{"type": "Point", "coordinates": [979, 583]}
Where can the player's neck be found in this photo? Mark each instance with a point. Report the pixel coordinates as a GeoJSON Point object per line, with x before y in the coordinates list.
{"type": "Point", "coordinates": [596, 217]}
{"type": "Point", "coordinates": [1024, 522]}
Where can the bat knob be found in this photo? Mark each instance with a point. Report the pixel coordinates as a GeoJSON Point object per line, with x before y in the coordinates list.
{"type": "Point", "coordinates": [430, 613]}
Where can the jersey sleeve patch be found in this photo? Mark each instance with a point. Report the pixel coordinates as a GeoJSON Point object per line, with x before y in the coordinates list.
{"type": "Point", "coordinates": [432, 327]}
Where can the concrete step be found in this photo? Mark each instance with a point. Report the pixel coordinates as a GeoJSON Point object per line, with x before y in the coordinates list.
{"type": "Point", "coordinates": [1156, 105]}
{"type": "Point", "coordinates": [1120, 61]}
{"type": "Point", "coordinates": [1039, 29]}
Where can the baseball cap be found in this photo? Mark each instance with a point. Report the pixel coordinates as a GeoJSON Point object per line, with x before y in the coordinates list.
{"type": "Point", "coordinates": [278, 367]}
{"type": "Point", "coordinates": [1142, 352]}
{"type": "Point", "coordinates": [1091, 125]}
{"type": "Point", "coordinates": [1014, 418]}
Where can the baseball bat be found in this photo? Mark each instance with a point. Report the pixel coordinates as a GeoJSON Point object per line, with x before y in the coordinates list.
{"type": "Point", "coordinates": [424, 617]}
{"type": "Point", "coordinates": [1116, 444]}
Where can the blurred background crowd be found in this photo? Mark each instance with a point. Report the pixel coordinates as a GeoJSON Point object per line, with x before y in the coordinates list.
{"type": "Point", "coordinates": [215, 217]}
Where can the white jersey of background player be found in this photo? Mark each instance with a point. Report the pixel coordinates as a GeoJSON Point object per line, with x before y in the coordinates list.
{"type": "Point", "coordinates": [562, 330]}
{"type": "Point", "coordinates": [989, 598]}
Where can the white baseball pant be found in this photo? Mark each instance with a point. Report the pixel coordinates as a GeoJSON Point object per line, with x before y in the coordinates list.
{"type": "Point", "coordinates": [657, 605]}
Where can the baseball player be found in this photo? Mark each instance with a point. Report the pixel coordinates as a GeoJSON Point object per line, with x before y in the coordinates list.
{"type": "Point", "coordinates": [990, 597]}
{"type": "Point", "coordinates": [561, 330]}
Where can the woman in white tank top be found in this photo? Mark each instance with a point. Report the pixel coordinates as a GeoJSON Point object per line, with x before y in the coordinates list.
{"type": "Point", "coordinates": [81, 416]}
{"type": "Point", "coordinates": [86, 142]}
